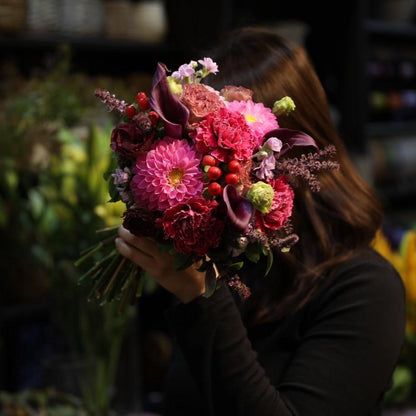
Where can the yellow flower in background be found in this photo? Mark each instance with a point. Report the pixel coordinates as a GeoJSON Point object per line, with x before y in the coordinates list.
{"type": "Point", "coordinates": [408, 255]}
{"type": "Point", "coordinates": [383, 246]}
{"type": "Point", "coordinates": [404, 260]}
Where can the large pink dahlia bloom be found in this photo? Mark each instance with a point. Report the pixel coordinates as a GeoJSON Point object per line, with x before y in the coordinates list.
{"type": "Point", "coordinates": [168, 175]}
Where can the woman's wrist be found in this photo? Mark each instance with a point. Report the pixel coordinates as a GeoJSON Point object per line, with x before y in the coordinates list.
{"type": "Point", "coordinates": [194, 288]}
{"type": "Point", "coordinates": [189, 296]}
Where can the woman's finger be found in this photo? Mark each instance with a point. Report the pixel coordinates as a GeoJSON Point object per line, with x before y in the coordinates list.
{"type": "Point", "coordinates": [144, 244]}
{"type": "Point", "coordinates": [133, 253]}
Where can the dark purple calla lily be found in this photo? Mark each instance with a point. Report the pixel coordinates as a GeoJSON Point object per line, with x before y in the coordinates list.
{"type": "Point", "coordinates": [291, 138]}
{"type": "Point", "coordinates": [239, 209]}
{"type": "Point", "coordinates": [173, 113]}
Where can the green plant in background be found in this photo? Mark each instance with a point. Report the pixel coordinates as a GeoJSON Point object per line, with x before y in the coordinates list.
{"type": "Point", "coordinates": [403, 258]}
{"type": "Point", "coordinates": [54, 152]}
{"type": "Point", "coordinates": [74, 192]}
{"type": "Point", "coordinates": [40, 402]}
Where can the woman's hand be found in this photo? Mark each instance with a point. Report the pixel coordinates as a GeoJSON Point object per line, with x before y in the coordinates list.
{"type": "Point", "coordinates": [186, 284]}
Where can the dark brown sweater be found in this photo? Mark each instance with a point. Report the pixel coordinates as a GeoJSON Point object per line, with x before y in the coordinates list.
{"type": "Point", "coordinates": [334, 357]}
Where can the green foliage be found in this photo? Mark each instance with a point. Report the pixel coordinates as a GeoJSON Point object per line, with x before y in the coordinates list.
{"type": "Point", "coordinates": [402, 386]}
{"type": "Point", "coordinates": [40, 402]}
{"type": "Point", "coordinates": [54, 153]}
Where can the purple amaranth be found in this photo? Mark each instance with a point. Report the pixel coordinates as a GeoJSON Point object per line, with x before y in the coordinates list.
{"type": "Point", "coordinates": [308, 165]}
{"type": "Point", "coordinates": [110, 100]}
{"type": "Point", "coordinates": [236, 284]}
{"type": "Point", "coordinates": [275, 242]}
{"type": "Point", "coordinates": [284, 242]}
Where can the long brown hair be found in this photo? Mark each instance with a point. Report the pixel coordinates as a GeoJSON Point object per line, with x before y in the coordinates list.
{"type": "Point", "coordinates": [334, 224]}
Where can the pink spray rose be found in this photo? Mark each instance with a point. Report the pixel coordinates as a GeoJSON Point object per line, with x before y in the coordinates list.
{"type": "Point", "coordinates": [200, 100]}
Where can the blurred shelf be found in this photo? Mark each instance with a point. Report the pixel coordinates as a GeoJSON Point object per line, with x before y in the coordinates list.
{"type": "Point", "coordinates": [93, 54]}
{"type": "Point", "coordinates": [391, 128]}
{"type": "Point", "coordinates": [386, 28]}
{"type": "Point", "coordinates": [47, 40]}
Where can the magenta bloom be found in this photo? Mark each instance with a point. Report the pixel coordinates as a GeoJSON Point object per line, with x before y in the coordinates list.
{"type": "Point", "coordinates": [259, 118]}
{"type": "Point", "coordinates": [168, 175]}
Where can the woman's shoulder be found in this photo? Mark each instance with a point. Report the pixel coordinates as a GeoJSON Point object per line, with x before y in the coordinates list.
{"type": "Point", "coordinates": [368, 264]}
{"type": "Point", "coordinates": [365, 275]}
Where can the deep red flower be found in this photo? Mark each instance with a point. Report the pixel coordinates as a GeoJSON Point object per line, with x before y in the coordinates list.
{"type": "Point", "coordinates": [193, 226]}
{"type": "Point", "coordinates": [140, 221]}
{"type": "Point", "coordinates": [281, 209]}
{"type": "Point", "coordinates": [129, 139]}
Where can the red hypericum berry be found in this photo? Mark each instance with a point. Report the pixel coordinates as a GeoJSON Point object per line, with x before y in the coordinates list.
{"type": "Point", "coordinates": [234, 166]}
{"type": "Point", "coordinates": [214, 173]}
{"type": "Point", "coordinates": [153, 117]}
{"type": "Point", "coordinates": [214, 189]}
{"type": "Point", "coordinates": [130, 111]}
{"type": "Point", "coordinates": [142, 101]}
{"type": "Point", "coordinates": [231, 178]}
{"type": "Point", "coordinates": [209, 160]}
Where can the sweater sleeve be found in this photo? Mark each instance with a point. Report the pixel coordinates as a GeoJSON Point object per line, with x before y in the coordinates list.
{"type": "Point", "coordinates": [343, 364]}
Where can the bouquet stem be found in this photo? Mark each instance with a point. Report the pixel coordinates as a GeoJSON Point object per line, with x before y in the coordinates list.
{"type": "Point", "coordinates": [95, 249]}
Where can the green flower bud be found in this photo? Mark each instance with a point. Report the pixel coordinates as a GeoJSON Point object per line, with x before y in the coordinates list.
{"type": "Point", "coordinates": [283, 106]}
{"type": "Point", "coordinates": [174, 85]}
{"type": "Point", "coordinates": [261, 196]}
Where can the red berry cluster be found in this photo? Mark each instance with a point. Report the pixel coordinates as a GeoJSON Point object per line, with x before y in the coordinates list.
{"type": "Point", "coordinates": [143, 104]}
{"type": "Point", "coordinates": [220, 174]}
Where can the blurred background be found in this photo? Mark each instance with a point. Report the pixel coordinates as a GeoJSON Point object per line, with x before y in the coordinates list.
{"type": "Point", "coordinates": [63, 355]}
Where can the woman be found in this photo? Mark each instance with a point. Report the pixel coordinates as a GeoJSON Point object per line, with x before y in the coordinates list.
{"type": "Point", "coordinates": [322, 334]}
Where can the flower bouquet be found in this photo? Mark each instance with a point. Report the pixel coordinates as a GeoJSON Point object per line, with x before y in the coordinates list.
{"type": "Point", "coordinates": [204, 173]}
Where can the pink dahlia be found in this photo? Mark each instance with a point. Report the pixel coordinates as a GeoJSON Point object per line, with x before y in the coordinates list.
{"type": "Point", "coordinates": [168, 175]}
{"type": "Point", "coordinates": [260, 118]}
{"type": "Point", "coordinates": [281, 209]}
{"type": "Point", "coordinates": [193, 226]}
{"type": "Point", "coordinates": [226, 135]}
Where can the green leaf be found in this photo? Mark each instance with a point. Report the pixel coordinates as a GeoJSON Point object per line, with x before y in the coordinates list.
{"type": "Point", "coordinates": [211, 277]}
{"type": "Point", "coordinates": [114, 194]}
{"type": "Point", "coordinates": [269, 262]}
{"type": "Point", "coordinates": [253, 252]}
{"type": "Point", "coordinates": [237, 266]}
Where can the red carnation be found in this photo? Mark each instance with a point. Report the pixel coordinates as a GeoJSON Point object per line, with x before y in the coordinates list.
{"type": "Point", "coordinates": [193, 226]}
{"type": "Point", "coordinates": [226, 135]}
{"type": "Point", "coordinates": [281, 209]}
